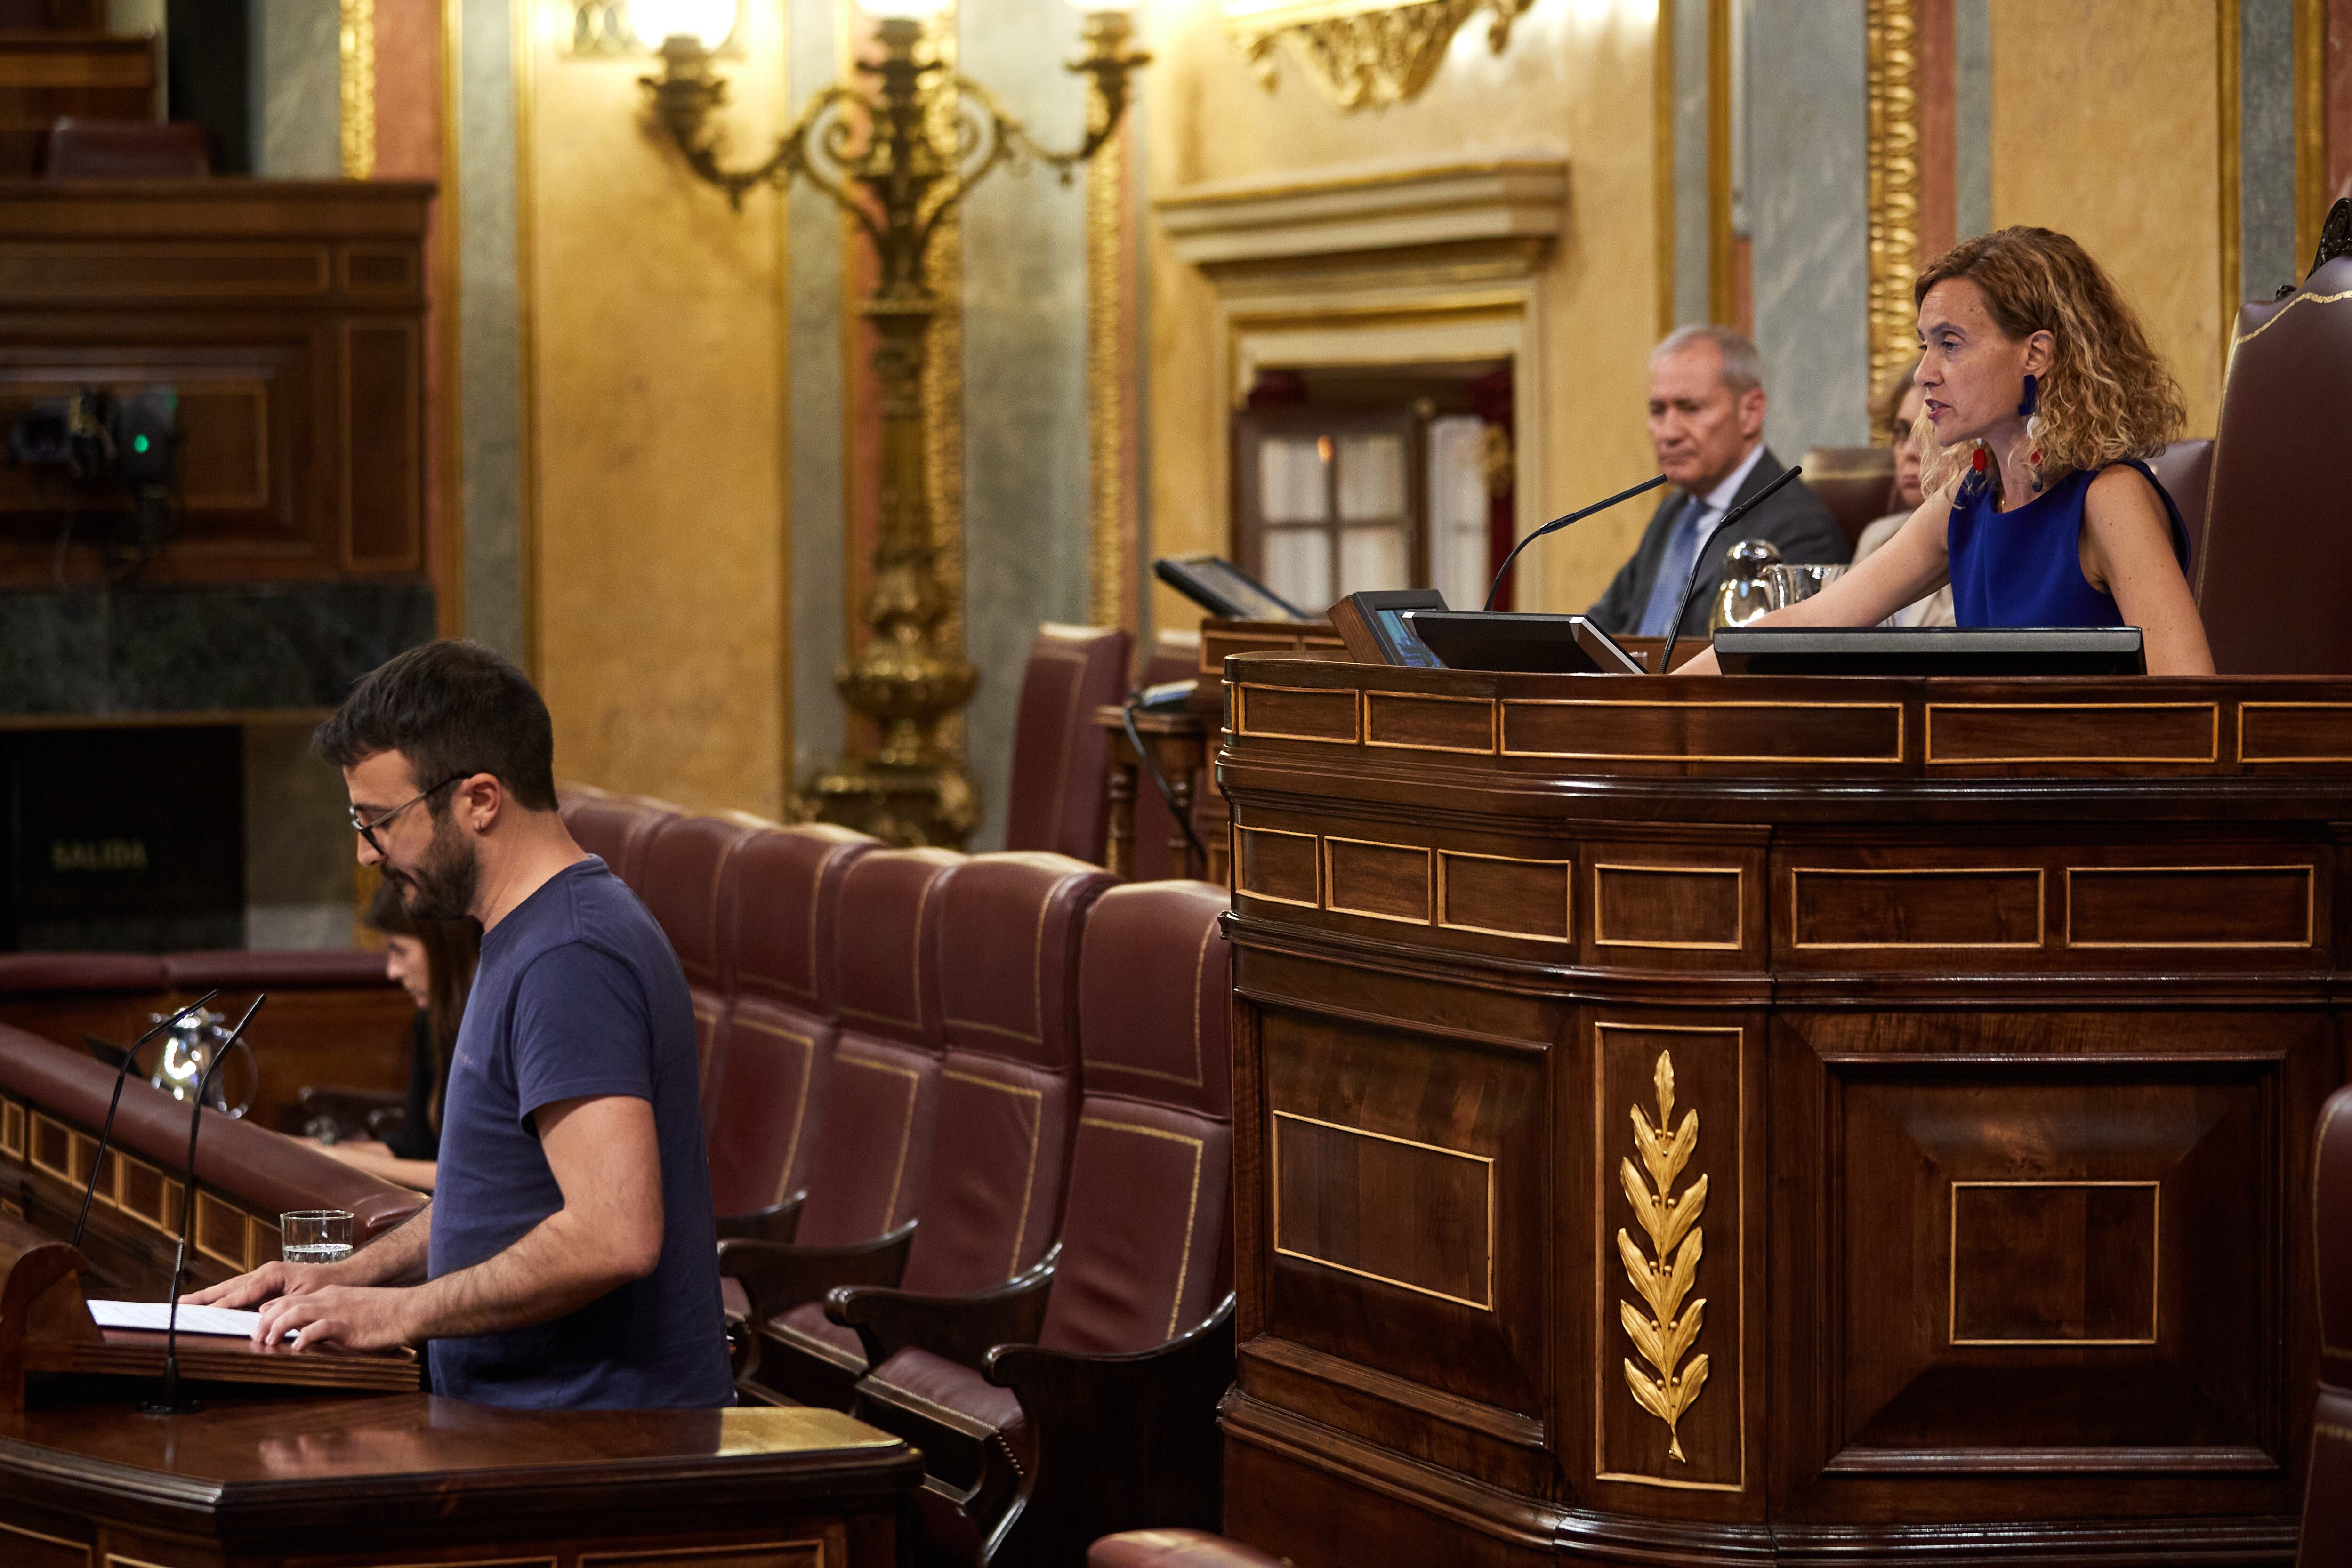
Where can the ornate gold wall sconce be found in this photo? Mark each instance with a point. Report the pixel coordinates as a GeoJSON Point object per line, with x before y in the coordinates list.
{"type": "Point", "coordinates": [1362, 53]}
{"type": "Point", "coordinates": [897, 152]}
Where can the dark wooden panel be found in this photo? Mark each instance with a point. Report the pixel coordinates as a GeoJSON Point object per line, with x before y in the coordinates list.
{"type": "Point", "coordinates": [2055, 1262]}
{"type": "Point", "coordinates": [1666, 906]}
{"type": "Point", "coordinates": [1666, 1239]}
{"type": "Point", "coordinates": [384, 449]}
{"type": "Point", "coordinates": [1501, 896]}
{"type": "Point", "coordinates": [2190, 906]}
{"type": "Point", "coordinates": [2118, 732]}
{"type": "Point", "coordinates": [171, 271]}
{"type": "Point", "coordinates": [761, 1554]}
{"type": "Point", "coordinates": [1429, 723]}
{"type": "Point", "coordinates": [1404, 1213]}
{"type": "Point", "coordinates": [1384, 881]}
{"type": "Point", "coordinates": [1790, 732]}
{"type": "Point", "coordinates": [225, 446]}
{"type": "Point", "coordinates": [27, 1548]}
{"type": "Point", "coordinates": [1281, 867]}
{"type": "Point", "coordinates": [379, 270]}
{"type": "Point", "coordinates": [1991, 906]}
{"type": "Point", "coordinates": [1295, 713]}
{"type": "Point", "coordinates": [2279, 733]}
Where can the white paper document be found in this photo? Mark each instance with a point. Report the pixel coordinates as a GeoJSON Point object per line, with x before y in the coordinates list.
{"type": "Point", "coordinates": [157, 1315]}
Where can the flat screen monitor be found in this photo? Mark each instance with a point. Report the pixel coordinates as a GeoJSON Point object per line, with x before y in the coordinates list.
{"type": "Point", "coordinates": [1509, 641]}
{"type": "Point", "coordinates": [1952, 651]}
{"type": "Point", "coordinates": [1220, 587]}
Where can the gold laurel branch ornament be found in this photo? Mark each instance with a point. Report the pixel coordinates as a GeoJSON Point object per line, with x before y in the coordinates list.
{"type": "Point", "coordinates": [1671, 1222]}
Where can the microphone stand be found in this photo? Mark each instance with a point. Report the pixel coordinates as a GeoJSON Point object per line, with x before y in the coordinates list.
{"type": "Point", "coordinates": [122, 1071]}
{"type": "Point", "coordinates": [1558, 523]}
{"type": "Point", "coordinates": [172, 1404]}
{"type": "Point", "coordinates": [1675, 632]}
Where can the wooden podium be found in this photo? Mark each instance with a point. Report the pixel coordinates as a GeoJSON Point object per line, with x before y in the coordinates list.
{"type": "Point", "coordinates": [1748, 1120]}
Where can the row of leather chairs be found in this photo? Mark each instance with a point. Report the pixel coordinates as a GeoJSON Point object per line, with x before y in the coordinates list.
{"type": "Point", "coordinates": [969, 1134]}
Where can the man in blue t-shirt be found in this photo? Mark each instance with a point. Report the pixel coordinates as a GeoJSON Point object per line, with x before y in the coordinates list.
{"type": "Point", "coordinates": [567, 1258]}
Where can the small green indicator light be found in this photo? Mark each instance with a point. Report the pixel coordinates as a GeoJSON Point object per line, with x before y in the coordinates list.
{"type": "Point", "coordinates": [138, 443]}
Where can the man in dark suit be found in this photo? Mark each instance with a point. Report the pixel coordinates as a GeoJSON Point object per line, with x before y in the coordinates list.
{"type": "Point", "coordinates": [1707, 422]}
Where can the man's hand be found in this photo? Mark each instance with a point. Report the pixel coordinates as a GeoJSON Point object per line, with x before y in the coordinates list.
{"type": "Point", "coordinates": [357, 1317]}
{"type": "Point", "coordinates": [272, 1280]}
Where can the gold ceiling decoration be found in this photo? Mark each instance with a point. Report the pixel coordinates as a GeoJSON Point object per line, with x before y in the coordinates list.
{"type": "Point", "coordinates": [1666, 1332]}
{"type": "Point", "coordinates": [1361, 53]}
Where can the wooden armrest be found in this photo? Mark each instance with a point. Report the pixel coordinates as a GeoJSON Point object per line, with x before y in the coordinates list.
{"type": "Point", "coordinates": [1123, 1441]}
{"type": "Point", "coordinates": [962, 1328]}
{"type": "Point", "coordinates": [778, 1276]}
{"type": "Point", "coordinates": [775, 1223]}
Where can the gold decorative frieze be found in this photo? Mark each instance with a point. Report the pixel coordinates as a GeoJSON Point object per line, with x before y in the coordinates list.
{"type": "Point", "coordinates": [1892, 181]}
{"type": "Point", "coordinates": [1362, 54]}
{"type": "Point", "coordinates": [357, 46]}
{"type": "Point", "coordinates": [1665, 1333]}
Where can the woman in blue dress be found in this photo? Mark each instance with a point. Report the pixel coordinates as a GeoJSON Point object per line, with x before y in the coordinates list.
{"type": "Point", "coordinates": [2044, 398]}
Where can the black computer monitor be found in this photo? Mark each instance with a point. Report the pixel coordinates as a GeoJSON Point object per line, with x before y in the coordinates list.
{"type": "Point", "coordinates": [1509, 641]}
{"type": "Point", "coordinates": [1961, 651]}
{"type": "Point", "coordinates": [1220, 587]}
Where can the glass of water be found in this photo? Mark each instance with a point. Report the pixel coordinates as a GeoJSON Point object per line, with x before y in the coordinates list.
{"type": "Point", "coordinates": [315, 1235]}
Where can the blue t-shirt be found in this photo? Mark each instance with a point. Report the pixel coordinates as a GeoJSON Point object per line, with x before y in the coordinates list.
{"type": "Point", "coordinates": [578, 995]}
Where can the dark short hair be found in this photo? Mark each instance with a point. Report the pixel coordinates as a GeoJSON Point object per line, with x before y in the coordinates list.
{"type": "Point", "coordinates": [454, 709]}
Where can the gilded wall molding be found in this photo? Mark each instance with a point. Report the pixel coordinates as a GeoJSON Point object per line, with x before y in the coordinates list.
{"type": "Point", "coordinates": [943, 394]}
{"type": "Point", "coordinates": [1664, 1333]}
{"type": "Point", "coordinates": [357, 45]}
{"type": "Point", "coordinates": [1359, 55]}
{"type": "Point", "coordinates": [1892, 32]}
{"type": "Point", "coordinates": [1110, 389]}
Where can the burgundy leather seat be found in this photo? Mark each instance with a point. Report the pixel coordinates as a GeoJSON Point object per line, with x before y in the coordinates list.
{"type": "Point", "coordinates": [2328, 1490]}
{"type": "Point", "coordinates": [2185, 469]}
{"type": "Point", "coordinates": [765, 1089]}
{"type": "Point", "coordinates": [2275, 577]}
{"type": "Point", "coordinates": [618, 828]}
{"type": "Point", "coordinates": [1856, 483]}
{"type": "Point", "coordinates": [126, 150]}
{"type": "Point", "coordinates": [1176, 1549]}
{"type": "Point", "coordinates": [685, 868]}
{"type": "Point", "coordinates": [870, 1151]}
{"type": "Point", "coordinates": [1107, 1420]}
{"type": "Point", "coordinates": [1055, 800]}
{"type": "Point", "coordinates": [991, 1202]}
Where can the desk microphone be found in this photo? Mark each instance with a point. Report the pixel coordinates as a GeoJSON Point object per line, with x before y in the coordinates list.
{"type": "Point", "coordinates": [122, 1071]}
{"type": "Point", "coordinates": [1666, 659]}
{"type": "Point", "coordinates": [172, 1404]}
{"type": "Point", "coordinates": [1557, 523]}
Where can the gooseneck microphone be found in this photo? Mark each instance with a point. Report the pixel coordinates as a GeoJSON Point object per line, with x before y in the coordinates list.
{"type": "Point", "coordinates": [122, 1071]}
{"type": "Point", "coordinates": [1558, 523]}
{"type": "Point", "coordinates": [1666, 659]}
{"type": "Point", "coordinates": [171, 1403]}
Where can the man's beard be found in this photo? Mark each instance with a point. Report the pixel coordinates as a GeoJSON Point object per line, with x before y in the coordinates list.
{"type": "Point", "coordinates": [443, 885]}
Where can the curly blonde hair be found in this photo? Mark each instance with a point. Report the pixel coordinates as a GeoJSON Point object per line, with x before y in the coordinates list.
{"type": "Point", "coordinates": [2106, 395]}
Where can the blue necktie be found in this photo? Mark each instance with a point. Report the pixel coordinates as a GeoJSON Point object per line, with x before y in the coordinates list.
{"type": "Point", "coordinates": [1673, 570]}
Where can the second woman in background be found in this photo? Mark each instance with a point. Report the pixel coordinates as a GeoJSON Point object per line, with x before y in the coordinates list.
{"type": "Point", "coordinates": [434, 961]}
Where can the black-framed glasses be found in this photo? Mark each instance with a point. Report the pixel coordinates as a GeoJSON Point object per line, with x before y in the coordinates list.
{"type": "Point", "coordinates": [366, 828]}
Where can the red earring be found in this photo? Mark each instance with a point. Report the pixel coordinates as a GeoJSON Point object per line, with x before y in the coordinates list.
{"type": "Point", "coordinates": [1978, 460]}
{"type": "Point", "coordinates": [2033, 459]}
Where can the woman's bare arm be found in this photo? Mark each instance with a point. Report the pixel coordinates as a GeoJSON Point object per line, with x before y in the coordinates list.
{"type": "Point", "coordinates": [2127, 553]}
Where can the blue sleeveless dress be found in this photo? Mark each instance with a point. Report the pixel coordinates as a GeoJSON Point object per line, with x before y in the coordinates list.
{"type": "Point", "coordinates": [2024, 568]}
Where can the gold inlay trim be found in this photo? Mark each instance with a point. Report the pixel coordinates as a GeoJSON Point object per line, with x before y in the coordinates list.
{"type": "Point", "coordinates": [906, 1132]}
{"type": "Point", "coordinates": [2213, 752]}
{"type": "Point", "coordinates": [1671, 1222]}
{"type": "Point", "coordinates": [42, 1122]}
{"type": "Point", "coordinates": [1510, 703]}
{"type": "Point", "coordinates": [1036, 1098]}
{"type": "Point", "coordinates": [2156, 1264]}
{"type": "Point", "coordinates": [1484, 1161]}
{"type": "Point", "coordinates": [1567, 898]}
{"type": "Point", "coordinates": [1892, 181]}
{"type": "Point", "coordinates": [1428, 881]}
{"type": "Point", "coordinates": [357, 45]}
{"type": "Point", "coordinates": [2239, 342]}
{"type": "Point", "coordinates": [1355, 713]}
{"type": "Point", "coordinates": [1241, 863]}
{"type": "Point", "coordinates": [800, 1097]}
{"type": "Point", "coordinates": [81, 1546]}
{"type": "Point", "coordinates": [2244, 708]}
{"type": "Point", "coordinates": [12, 1130]}
{"type": "Point", "coordinates": [746, 1440]}
{"type": "Point", "coordinates": [2310, 902]}
{"type": "Point", "coordinates": [1601, 939]}
{"type": "Point", "coordinates": [124, 1165]}
{"type": "Point", "coordinates": [2040, 874]}
{"type": "Point", "coordinates": [213, 1215]}
{"type": "Point", "coordinates": [1493, 724]}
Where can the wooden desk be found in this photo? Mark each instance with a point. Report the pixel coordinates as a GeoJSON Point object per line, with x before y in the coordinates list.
{"type": "Point", "coordinates": [410, 1477]}
{"type": "Point", "coordinates": [1179, 743]}
{"type": "Point", "coordinates": [1984, 1024]}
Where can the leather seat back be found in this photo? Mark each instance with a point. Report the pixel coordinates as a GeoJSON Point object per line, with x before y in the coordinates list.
{"type": "Point", "coordinates": [1856, 483]}
{"type": "Point", "coordinates": [778, 906]}
{"type": "Point", "coordinates": [81, 148]}
{"type": "Point", "coordinates": [619, 829]}
{"type": "Point", "coordinates": [871, 1149]}
{"type": "Point", "coordinates": [2276, 577]}
{"type": "Point", "coordinates": [1009, 930]}
{"type": "Point", "coordinates": [2328, 1490]}
{"type": "Point", "coordinates": [1055, 800]}
{"type": "Point", "coordinates": [1147, 1251]}
{"type": "Point", "coordinates": [684, 867]}
{"type": "Point", "coordinates": [2185, 469]}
